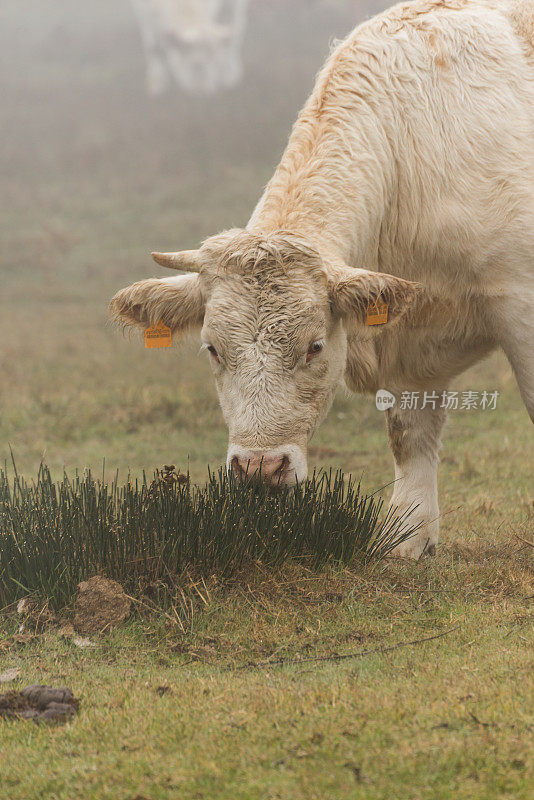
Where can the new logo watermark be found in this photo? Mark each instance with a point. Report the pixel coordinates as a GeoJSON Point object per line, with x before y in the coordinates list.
{"type": "Point", "coordinates": [448, 400]}
{"type": "Point", "coordinates": [384, 400]}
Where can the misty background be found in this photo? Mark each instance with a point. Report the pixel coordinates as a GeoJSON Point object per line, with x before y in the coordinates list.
{"type": "Point", "coordinates": [86, 152]}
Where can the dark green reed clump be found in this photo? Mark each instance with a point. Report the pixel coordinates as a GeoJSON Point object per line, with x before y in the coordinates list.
{"type": "Point", "coordinates": [54, 534]}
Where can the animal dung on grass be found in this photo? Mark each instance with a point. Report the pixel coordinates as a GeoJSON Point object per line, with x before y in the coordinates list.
{"type": "Point", "coordinates": [56, 534]}
{"type": "Point", "coordinates": [39, 703]}
{"type": "Point", "coordinates": [101, 604]}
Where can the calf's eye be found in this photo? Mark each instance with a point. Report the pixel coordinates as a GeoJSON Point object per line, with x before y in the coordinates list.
{"type": "Point", "coordinates": [213, 353]}
{"type": "Point", "coordinates": [314, 350]}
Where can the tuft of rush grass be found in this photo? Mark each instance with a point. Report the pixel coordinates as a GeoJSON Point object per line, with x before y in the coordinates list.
{"type": "Point", "coordinates": [56, 533]}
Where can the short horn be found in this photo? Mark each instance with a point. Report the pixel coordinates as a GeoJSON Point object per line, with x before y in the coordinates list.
{"type": "Point", "coordinates": [185, 260]}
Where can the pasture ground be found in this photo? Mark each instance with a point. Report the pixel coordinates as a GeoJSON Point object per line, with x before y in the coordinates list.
{"type": "Point", "coordinates": [190, 709]}
{"type": "Point", "coordinates": [94, 176]}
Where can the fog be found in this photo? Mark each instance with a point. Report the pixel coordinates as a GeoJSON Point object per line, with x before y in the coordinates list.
{"type": "Point", "coordinates": [88, 151]}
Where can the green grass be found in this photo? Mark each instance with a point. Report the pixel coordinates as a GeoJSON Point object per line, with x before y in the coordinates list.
{"type": "Point", "coordinates": [436, 720]}
{"type": "Point", "coordinates": [56, 534]}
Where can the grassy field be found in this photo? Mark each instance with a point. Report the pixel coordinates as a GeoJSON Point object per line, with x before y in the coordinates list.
{"type": "Point", "coordinates": [196, 710]}
{"type": "Point", "coordinates": [192, 701]}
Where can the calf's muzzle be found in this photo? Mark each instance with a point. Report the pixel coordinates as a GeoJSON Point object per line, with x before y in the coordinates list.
{"type": "Point", "coordinates": [266, 469]}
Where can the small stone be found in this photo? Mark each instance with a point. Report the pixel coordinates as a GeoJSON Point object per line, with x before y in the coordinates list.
{"type": "Point", "coordinates": [82, 642]}
{"type": "Point", "coordinates": [10, 674]}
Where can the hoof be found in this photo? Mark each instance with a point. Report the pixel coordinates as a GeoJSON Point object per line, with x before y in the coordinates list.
{"type": "Point", "coordinates": [415, 548]}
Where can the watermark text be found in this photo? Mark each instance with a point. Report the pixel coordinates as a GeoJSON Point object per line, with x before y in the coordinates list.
{"type": "Point", "coordinates": [448, 400]}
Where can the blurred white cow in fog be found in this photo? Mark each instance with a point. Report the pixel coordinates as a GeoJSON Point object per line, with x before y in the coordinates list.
{"type": "Point", "coordinates": [196, 43]}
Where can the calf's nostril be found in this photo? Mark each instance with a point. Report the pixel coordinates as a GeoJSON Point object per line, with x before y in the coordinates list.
{"type": "Point", "coordinates": [281, 469]}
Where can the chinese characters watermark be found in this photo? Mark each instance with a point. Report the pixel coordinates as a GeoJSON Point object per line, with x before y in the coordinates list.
{"type": "Point", "coordinates": [447, 400]}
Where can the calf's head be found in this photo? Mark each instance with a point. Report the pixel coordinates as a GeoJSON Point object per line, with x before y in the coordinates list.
{"type": "Point", "coordinates": [273, 318]}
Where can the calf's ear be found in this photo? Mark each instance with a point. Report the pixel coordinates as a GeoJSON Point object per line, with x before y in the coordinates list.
{"type": "Point", "coordinates": [177, 302]}
{"type": "Point", "coordinates": [358, 292]}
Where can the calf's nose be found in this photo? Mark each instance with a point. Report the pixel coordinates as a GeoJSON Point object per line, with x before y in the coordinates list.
{"type": "Point", "coordinates": [258, 468]}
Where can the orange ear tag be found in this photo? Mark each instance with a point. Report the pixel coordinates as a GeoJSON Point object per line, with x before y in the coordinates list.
{"type": "Point", "coordinates": [158, 336]}
{"type": "Point", "coordinates": [377, 314]}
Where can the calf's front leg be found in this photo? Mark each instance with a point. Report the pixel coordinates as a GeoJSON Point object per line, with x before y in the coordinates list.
{"type": "Point", "coordinates": [414, 437]}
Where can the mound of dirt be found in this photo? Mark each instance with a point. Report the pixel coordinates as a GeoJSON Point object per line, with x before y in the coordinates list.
{"type": "Point", "coordinates": [101, 604]}
{"type": "Point", "coordinates": [39, 703]}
